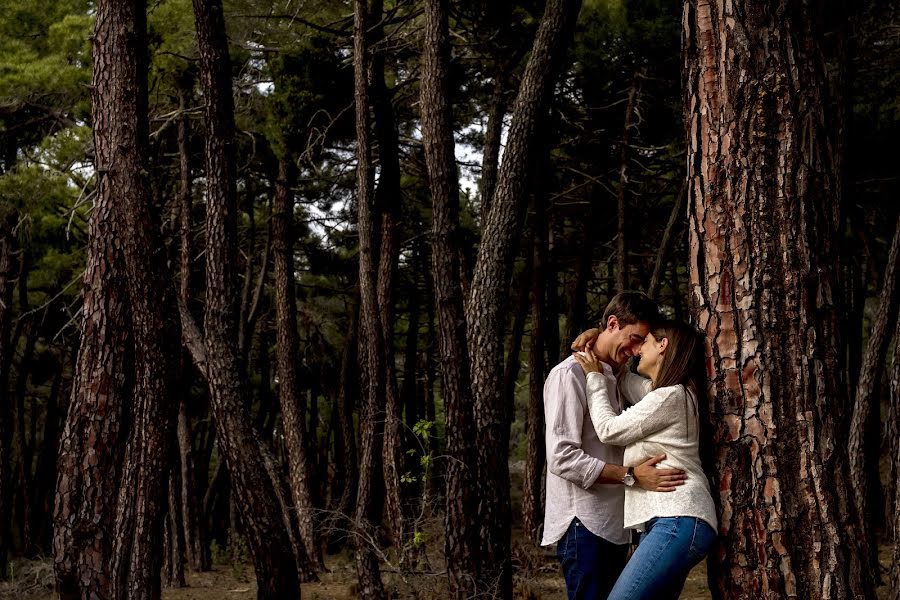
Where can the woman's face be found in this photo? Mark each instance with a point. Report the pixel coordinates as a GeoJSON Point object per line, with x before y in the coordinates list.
{"type": "Point", "coordinates": [651, 354]}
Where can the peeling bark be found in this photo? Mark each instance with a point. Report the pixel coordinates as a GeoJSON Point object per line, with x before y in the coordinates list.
{"type": "Point", "coordinates": [763, 220]}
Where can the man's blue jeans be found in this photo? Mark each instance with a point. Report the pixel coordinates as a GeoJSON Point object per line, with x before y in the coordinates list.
{"type": "Point", "coordinates": [670, 547]}
{"type": "Point", "coordinates": [590, 564]}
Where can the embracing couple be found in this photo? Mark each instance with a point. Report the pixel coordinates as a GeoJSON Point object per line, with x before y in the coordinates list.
{"type": "Point", "coordinates": [623, 455]}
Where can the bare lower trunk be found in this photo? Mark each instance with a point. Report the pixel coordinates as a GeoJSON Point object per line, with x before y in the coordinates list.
{"type": "Point", "coordinates": [261, 515]}
{"type": "Point", "coordinates": [863, 454]}
{"type": "Point", "coordinates": [372, 417]}
{"type": "Point", "coordinates": [535, 451]}
{"type": "Point", "coordinates": [461, 544]}
{"type": "Point", "coordinates": [292, 415]}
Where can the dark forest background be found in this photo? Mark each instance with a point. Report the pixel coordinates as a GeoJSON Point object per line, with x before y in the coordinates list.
{"type": "Point", "coordinates": [332, 389]}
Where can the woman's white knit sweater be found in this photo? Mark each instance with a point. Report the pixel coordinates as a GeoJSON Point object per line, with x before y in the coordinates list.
{"type": "Point", "coordinates": [664, 421]}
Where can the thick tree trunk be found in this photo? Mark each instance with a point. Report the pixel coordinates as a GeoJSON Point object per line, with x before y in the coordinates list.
{"type": "Point", "coordinates": [861, 427]}
{"type": "Point", "coordinates": [92, 443]}
{"type": "Point", "coordinates": [8, 262]}
{"type": "Point", "coordinates": [535, 450]}
{"type": "Point", "coordinates": [261, 516]}
{"type": "Point", "coordinates": [292, 415]}
{"type": "Point", "coordinates": [461, 544]}
{"type": "Point", "coordinates": [121, 143]}
{"type": "Point", "coordinates": [372, 416]}
{"type": "Point", "coordinates": [487, 300]}
{"type": "Point", "coordinates": [764, 216]}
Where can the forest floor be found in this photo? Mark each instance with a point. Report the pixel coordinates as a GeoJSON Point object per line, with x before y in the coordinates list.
{"type": "Point", "coordinates": [542, 580]}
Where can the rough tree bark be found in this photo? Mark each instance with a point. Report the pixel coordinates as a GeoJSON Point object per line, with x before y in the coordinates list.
{"type": "Point", "coordinates": [870, 375]}
{"type": "Point", "coordinates": [121, 143]}
{"type": "Point", "coordinates": [763, 220]}
{"type": "Point", "coordinates": [487, 299]}
{"type": "Point", "coordinates": [90, 450]}
{"type": "Point", "coordinates": [461, 544]}
{"type": "Point", "coordinates": [288, 344]}
{"type": "Point", "coordinates": [372, 417]}
{"type": "Point", "coordinates": [193, 520]}
{"type": "Point", "coordinates": [387, 202]}
{"type": "Point", "coordinates": [261, 516]}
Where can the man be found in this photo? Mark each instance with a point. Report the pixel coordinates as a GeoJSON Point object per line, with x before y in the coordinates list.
{"type": "Point", "coordinates": [585, 495]}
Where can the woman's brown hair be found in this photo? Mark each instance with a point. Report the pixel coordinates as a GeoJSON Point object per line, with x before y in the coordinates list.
{"type": "Point", "coordinates": [684, 361]}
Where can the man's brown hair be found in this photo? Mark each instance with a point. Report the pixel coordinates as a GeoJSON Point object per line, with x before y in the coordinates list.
{"type": "Point", "coordinates": [631, 307]}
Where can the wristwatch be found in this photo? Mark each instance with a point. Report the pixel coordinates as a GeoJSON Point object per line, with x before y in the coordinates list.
{"type": "Point", "coordinates": [628, 479]}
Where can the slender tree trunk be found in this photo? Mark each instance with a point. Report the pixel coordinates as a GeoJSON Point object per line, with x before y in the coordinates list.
{"type": "Point", "coordinates": [520, 315]}
{"type": "Point", "coordinates": [493, 133]}
{"type": "Point", "coordinates": [292, 415]}
{"type": "Point", "coordinates": [535, 452]}
{"type": "Point", "coordinates": [261, 516]}
{"type": "Point", "coordinates": [555, 351]}
{"type": "Point", "coordinates": [676, 216]}
{"type": "Point", "coordinates": [44, 472]}
{"type": "Point", "coordinates": [490, 288]}
{"type": "Point", "coordinates": [576, 317]}
{"type": "Point", "coordinates": [763, 267]}
{"type": "Point", "coordinates": [861, 426]}
{"type": "Point", "coordinates": [8, 246]}
{"type": "Point", "coordinates": [371, 417]}
{"type": "Point", "coordinates": [461, 543]}
{"type": "Point", "coordinates": [622, 278]}
{"type": "Point", "coordinates": [347, 400]}
{"type": "Point", "coordinates": [174, 534]}
{"type": "Point", "coordinates": [894, 448]}
{"type": "Point", "coordinates": [410, 359]}
{"type": "Point", "coordinates": [387, 202]}
{"type": "Point", "coordinates": [23, 504]}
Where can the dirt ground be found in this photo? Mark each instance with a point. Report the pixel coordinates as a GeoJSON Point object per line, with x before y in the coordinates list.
{"type": "Point", "coordinates": [34, 580]}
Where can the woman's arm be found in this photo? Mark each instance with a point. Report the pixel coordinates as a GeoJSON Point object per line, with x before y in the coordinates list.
{"type": "Point", "coordinates": [636, 423]}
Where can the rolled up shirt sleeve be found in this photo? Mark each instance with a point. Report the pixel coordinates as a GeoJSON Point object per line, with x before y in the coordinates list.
{"type": "Point", "coordinates": [565, 405]}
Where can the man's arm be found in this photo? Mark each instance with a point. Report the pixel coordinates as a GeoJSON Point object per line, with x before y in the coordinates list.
{"type": "Point", "coordinates": [564, 417]}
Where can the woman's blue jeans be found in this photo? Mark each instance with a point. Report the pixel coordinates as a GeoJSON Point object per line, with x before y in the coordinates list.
{"type": "Point", "coordinates": [590, 564]}
{"type": "Point", "coordinates": [670, 547]}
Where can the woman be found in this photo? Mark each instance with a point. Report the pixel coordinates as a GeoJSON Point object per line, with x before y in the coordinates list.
{"type": "Point", "coordinates": [678, 527]}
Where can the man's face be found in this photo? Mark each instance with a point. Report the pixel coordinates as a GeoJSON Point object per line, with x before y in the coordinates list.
{"type": "Point", "coordinates": [626, 340]}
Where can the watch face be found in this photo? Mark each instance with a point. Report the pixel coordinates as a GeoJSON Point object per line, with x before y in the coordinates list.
{"type": "Point", "coordinates": [628, 479]}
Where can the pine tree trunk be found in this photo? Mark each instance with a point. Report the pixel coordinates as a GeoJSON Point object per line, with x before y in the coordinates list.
{"type": "Point", "coordinates": [894, 449]}
{"type": "Point", "coordinates": [92, 442]}
{"type": "Point", "coordinates": [371, 416]}
{"type": "Point", "coordinates": [347, 401]}
{"type": "Point", "coordinates": [261, 516]}
{"type": "Point", "coordinates": [461, 544]}
{"type": "Point", "coordinates": [44, 472]}
{"type": "Point", "coordinates": [292, 415]}
{"type": "Point", "coordinates": [764, 265]}
{"type": "Point", "coordinates": [487, 301]}
{"type": "Point", "coordinates": [174, 547]}
{"type": "Point", "coordinates": [387, 203]}
{"type": "Point", "coordinates": [121, 142]}
{"type": "Point", "coordinates": [662, 253]}
{"type": "Point", "coordinates": [863, 454]}
{"type": "Point", "coordinates": [535, 450]}
{"type": "Point", "coordinates": [622, 278]}
{"type": "Point", "coordinates": [8, 220]}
